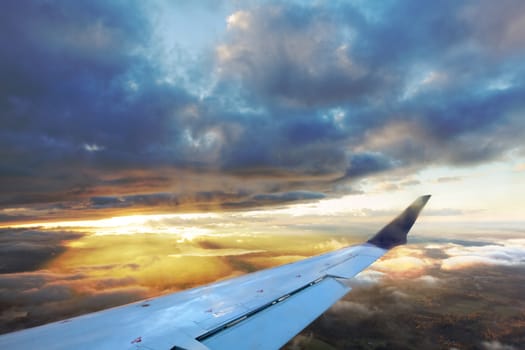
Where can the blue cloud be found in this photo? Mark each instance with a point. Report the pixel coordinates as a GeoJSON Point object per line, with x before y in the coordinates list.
{"type": "Point", "coordinates": [362, 164]}
{"type": "Point", "coordinates": [292, 97]}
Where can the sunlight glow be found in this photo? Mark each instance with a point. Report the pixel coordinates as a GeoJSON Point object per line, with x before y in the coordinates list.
{"type": "Point", "coordinates": [134, 224]}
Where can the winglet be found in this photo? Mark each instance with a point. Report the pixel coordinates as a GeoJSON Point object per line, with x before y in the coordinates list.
{"type": "Point", "coordinates": [395, 233]}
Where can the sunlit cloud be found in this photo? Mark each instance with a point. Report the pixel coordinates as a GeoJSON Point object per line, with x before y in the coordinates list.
{"type": "Point", "coordinates": [405, 262]}
{"type": "Point", "coordinates": [506, 254]}
{"type": "Point", "coordinates": [215, 252]}
{"type": "Point", "coordinates": [135, 224]}
{"type": "Point", "coordinates": [368, 277]}
{"type": "Point", "coordinates": [496, 345]}
{"type": "Point", "coordinates": [428, 280]}
{"type": "Point", "coordinates": [239, 20]}
{"type": "Point", "coordinates": [93, 147]}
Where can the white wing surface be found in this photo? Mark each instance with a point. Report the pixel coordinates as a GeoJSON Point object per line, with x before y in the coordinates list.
{"type": "Point", "coordinates": [262, 310]}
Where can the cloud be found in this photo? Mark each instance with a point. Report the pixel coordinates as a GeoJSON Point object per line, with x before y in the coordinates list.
{"type": "Point", "coordinates": [290, 60]}
{"type": "Point", "coordinates": [404, 265]}
{"type": "Point", "coordinates": [368, 277]}
{"type": "Point", "coordinates": [446, 212]}
{"type": "Point", "coordinates": [98, 113]}
{"type": "Point", "coordinates": [349, 307]}
{"type": "Point", "coordinates": [216, 252]}
{"type": "Point", "coordinates": [448, 179]}
{"type": "Point", "coordinates": [34, 298]}
{"type": "Point", "coordinates": [289, 196]}
{"type": "Point", "coordinates": [200, 199]}
{"type": "Point", "coordinates": [239, 20]}
{"type": "Point", "coordinates": [86, 53]}
{"type": "Point", "coordinates": [428, 280]}
{"type": "Point", "coordinates": [153, 199]}
{"type": "Point", "coordinates": [273, 199]}
{"type": "Point", "coordinates": [412, 299]}
{"type": "Point", "coordinates": [496, 345]}
{"type": "Point", "coordinates": [28, 250]}
{"type": "Point", "coordinates": [507, 254]}
{"type": "Point", "coordinates": [503, 31]}
{"type": "Point", "coordinates": [367, 163]}
{"type": "Point", "coordinates": [520, 167]}
{"type": "Point", "coordinates": [410, 183]}
{"type": "Point", "coordinates": [461, 262]}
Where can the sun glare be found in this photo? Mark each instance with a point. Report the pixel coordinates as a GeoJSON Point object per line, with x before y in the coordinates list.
{"type": "Point", "coordinates": [134, 224]}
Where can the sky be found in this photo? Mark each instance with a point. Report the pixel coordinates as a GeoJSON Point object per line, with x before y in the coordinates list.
{"type": "Point", "coordinates": [115, 107]}
{"type": "Point", "coordinates": [229, 133]}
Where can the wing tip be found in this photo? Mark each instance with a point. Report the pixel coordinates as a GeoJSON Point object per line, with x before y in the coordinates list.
{"type": "Point", "coordinates": [425, 198]}
{"type": "Point", "coordinates": [395, 233]}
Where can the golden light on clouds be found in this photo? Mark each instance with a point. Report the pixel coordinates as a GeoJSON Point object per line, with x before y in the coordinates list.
{"type": "Point", "coordinates": [126, 258]}
{"type": "Point", "coordinates": [405, 262]}
{"type": "Point", "coordinates": [162, 253]}
{"type": "Point", "coordinates": [98, 264]}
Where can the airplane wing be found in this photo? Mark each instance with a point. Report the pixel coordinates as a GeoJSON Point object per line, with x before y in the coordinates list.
{"type": "Point", "coordinates": [262, 310]}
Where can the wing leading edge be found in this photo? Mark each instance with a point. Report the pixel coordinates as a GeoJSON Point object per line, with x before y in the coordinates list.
{"type": "Point", "coordinates": [262, 310]}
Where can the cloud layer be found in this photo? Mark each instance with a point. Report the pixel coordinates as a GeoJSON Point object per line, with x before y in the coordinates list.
{"type": "Point", "coordinates": [97, 112]}
{"type": "Point", "coordinates": [432, 286]}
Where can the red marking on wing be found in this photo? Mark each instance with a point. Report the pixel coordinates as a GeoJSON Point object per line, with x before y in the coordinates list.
{"type": "Point", "coordinates": [136, 340]}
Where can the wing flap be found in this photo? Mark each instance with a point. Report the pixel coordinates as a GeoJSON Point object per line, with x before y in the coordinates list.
{"type": "Point", "coordinates": [266, 329]}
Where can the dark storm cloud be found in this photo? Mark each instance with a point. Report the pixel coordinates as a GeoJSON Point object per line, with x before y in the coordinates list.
{"type": "Point", "coordinates": [289, 196]}
{"type": "Point", "coordinates": [90, 109]}
{"type": "Point", "coordinates": [128, 201]}
{"type": "Point", "coordinates": [28, 250]}
{"type": "Point", "coordinates": [169, 200]}
{"type": "Point", "coordinates": [200, 200]}
{"type": "Point", "coordinates": [296, 55]}
{"type": "Point", "coordinates": [80, 100]}
{"type": "Point", "coordinates": [273, 199]}
{"type": "Point", "coordinates": [362, 164]}
{"type": "Point", "coordinates": [31, 299]}
{"type": "Point", "coordinates": [425, 65]}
